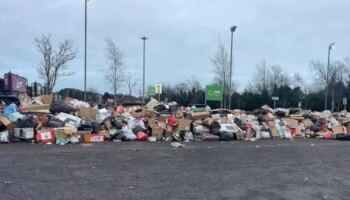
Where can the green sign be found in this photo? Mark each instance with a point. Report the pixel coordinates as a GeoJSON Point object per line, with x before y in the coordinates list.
{"type": "Point", "coordinates": [151, 91]}
{"type": "Point", "coordinates": [213, 93]}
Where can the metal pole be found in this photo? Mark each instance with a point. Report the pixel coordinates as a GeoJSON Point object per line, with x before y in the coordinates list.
{"type": "Point", "coordinates": [144, 64]}
{"type": "Point", "coordinates": [274, 104]}
{"type": "Point", "coordinates": [230, 90]}
{"type": "Point", "coordinates": [326, 95]}
{"type": "Point", "coordinates": [85, 50]}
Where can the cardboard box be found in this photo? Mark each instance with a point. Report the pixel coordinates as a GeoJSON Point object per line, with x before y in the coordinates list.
{"type": "Point", "coordinates": [208, 121]}
{"type": "Point", "coordinates": [200, 115]}
{"type": "Point", "coordinates": [151, 114]}
{"type": "Point", "coordinates": [35, 108]}
{"type": "Point", "coordinates": [307, 122]}
{"type": "Point", "coordinates": [157, 132]}
{"type": "Point", "coordinates": [184, 125]}
{"type": "Point", "coordinates": [337, 129]}
{"type": "Point", "coordinates": [274, 132]}
{"type": "Point", "coordinates": [88, 113]}
{"type": "Point", "coordinates": [70, 120]}
{"type": "Point", "coordinates": [46, 99]}
{"type": "Point", "coordinates": [45, 136]}
{"type": "Point", "coordinates": [96, 138]}
{"type": "Point", "coordinates": [292, 122]}
{"type": "Point", "coordinates": [24, 133]}
{"type": "Point", "coordinates": [163, 118]}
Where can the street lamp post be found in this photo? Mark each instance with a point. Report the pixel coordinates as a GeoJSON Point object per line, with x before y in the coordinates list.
{"type": "Point", "coordinates": [85, 49]}
{"type": "Point", "coordinates": [233, 28]}
{"type": "Point", "coordinates": [144, 64]}
{"type": "Point", "coordinates": [330, 47]}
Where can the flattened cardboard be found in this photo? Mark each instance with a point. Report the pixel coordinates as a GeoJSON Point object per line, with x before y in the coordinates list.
{"type": "Point", "coordinates": [157, 132]}
{"type": "Point", "coordinates": [307, 122]}
{"type": "Point", "coordinates": [46, 99]}
{"type": "Point", "coordinates": [292, 122]}
{"type": "Point", "coordinates": [184, 125]}
{"type": "Point", "coordinates": [33, 108]}
{"type": "Point", "coordinates": [200, 115]}
{"type": "Point", "coordinates": [4, 121]}
{"type": "Point", "coordinates": [24, 133]}
{"type": "Point", "coordinates": [88, 113]}
{"type": "Point", "coordinates": [163, 118]}
{"type": "Point", "coordinates": [337, 129]}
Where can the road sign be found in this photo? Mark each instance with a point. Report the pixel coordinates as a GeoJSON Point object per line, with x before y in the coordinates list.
{"type": "Point", "coordinates": [275, 98]}
{"type": "Point", "coordinates": [213, 93]}
{"type": "Point", "coordinates": [158, 88]}
{"type": "Point", "coordinates": [151, 91]}
{"type": "Point", "coordinates": [345, 101]}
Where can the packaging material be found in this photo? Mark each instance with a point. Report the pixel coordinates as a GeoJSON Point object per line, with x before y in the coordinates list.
{"type": "Point", "coordinates": [12, 108]}
{"type": "Point", "coordinates": [188, 136]}
{"type": "Point", "coordinates": [102, 115]}
{"type": "Point", "coordinates": [4, 137]}
{"type": "Point", "coordinates": [184, 125]}
{"type": "Point", "coordinates": [4, 121]}
{"type": "Point", "coordinates": [337, 129]}
{"type": "Point", "coordinates": [200, 115]}
{"type": "Point", "coordinates": [150, 113]}
{"type": "Point", "coordinates": [45, 99]}
{"type": "Point", "coordinates": [157, 132]}
{"type": "Point", "coordinates": [88, 113]}
{"type": "Point", "coordinates": [141, 136]}
{"type": "Point", "coordinates": [45, 136]}
{"type": "Point", "coordinates": [265, 135]}
{"type": "Point", "coordinates": [59, 106]}
{"type": "Point", "coordinates": [14, 117]}
{"type": "Point", "coordinates": [215, 117]}
{"type": "Point", "coordinates": [307, 122]}
{"type": "Point", "coordinates": [210, 137]}
{"type": "Point", "coordinates": [96, 138]}
{"type": "Point", "coordinates": [163, 117]}
{"type": "Point", "coordinates": [77, 104]}
{"type": "Point", "coordinates": [292, 122]}
{"type": "Point", "coordinates": [69, 120]}
{"type": "Point", "coordinates": [129, 135]}
{"type": "Point", "coordinates": [24, 133]}
{"type": "Point", "coordinates": [36, 108]}
{"type": "Point", "coordinates": [228, 128]}
{"type": "Point", "coordinates": [151, 104]}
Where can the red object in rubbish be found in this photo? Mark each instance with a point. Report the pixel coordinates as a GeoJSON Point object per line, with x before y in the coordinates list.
{"type": "Point", "coordinates": [326, 136]}
{"type": "Point", "coordinates": [45, 136]}
{"type": "Point", "coordinates": [171, 121]}
{"type": "Point", "coordinates": [249, 130]}
{"type": "Point", "coordinates": [141, 136]}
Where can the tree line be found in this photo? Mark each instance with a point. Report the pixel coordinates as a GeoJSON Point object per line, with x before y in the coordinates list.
{"type": "Point", "coordinates": [267, 80]}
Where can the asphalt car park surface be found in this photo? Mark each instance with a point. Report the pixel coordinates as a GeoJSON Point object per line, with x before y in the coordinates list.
{"type": "Point", "coordinates": [265, 169]}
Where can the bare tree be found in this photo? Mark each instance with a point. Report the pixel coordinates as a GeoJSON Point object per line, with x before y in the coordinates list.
{"type": "Point", "coordinates": [114, 72]}
{"type": "Point", "coordinates": [221, 63]}
{"type": "Point", "coordinates": [261, 77]}
{"type": "Point", "coordinates": [53, 63]}
{"type": "Point", "coordinates": [131, 83]}
{"type": "Point", "coordinates": [278, 77]}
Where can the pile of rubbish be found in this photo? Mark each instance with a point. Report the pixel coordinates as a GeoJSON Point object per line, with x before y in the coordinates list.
{"type": "Point", "coordinates": [49, 121]}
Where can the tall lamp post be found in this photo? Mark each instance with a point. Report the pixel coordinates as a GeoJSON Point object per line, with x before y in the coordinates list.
{"type": "Point", "coordinates": [85, 49]}
{"type": "Point", "coordinates": [144, 64]}
{"type": "Point", "coordinates": [330, 47]}
{"type": "Point", "coordinates": [233, 28]}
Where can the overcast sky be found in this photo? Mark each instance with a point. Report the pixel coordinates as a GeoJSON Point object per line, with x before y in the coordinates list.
{"type": "Point", "coordinates": [183, 35]}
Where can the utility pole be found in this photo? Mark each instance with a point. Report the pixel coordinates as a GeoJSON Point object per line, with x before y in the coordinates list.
{"type": "Point", "coordinates": [233, 28]}
{"type": "Point", "coordinates": [331, 46]}
{"type": "Point", "coordinates": [85, 50]}
{"type": "Point", "coordinates": [144, 64]}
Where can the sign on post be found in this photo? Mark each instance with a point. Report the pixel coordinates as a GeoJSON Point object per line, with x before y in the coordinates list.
{"type": "Point", "coordinates": [274, 99]}
{"type": "Point", "coordinates": [151, 91]}
{"type": "Point", "coordinates": [345, 101]}
{"type": "Point", "coordinates": [158, 89]}
{"type": "Point", "coordinates": [213, 93]}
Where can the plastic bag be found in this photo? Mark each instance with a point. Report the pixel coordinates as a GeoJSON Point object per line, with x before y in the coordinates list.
{"type": "Point", "coordinates": [55, 123]}
{"type": "Point", "coordinates": [128, 135]}
{"type": "Point", "coordinates": [226, 136]}
{"type": "Point", "coordinates": [14, 117]}
{"type": "Point", "coordinates": [188, 136]}
{"type": "Point", "coordinates": [102, 115]}
{"type": "Point", "coordinates": [141, 136]}
{"type": "Point", "coordinates": [60, 106]}
{"type": "Point", "coordinates": [4, 137]}
{"type": "Point", "coordinates": [12, 108]}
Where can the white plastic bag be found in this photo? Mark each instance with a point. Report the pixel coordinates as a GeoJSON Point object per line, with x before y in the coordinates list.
{"type": "Point", "coordinates": [4, 137]}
